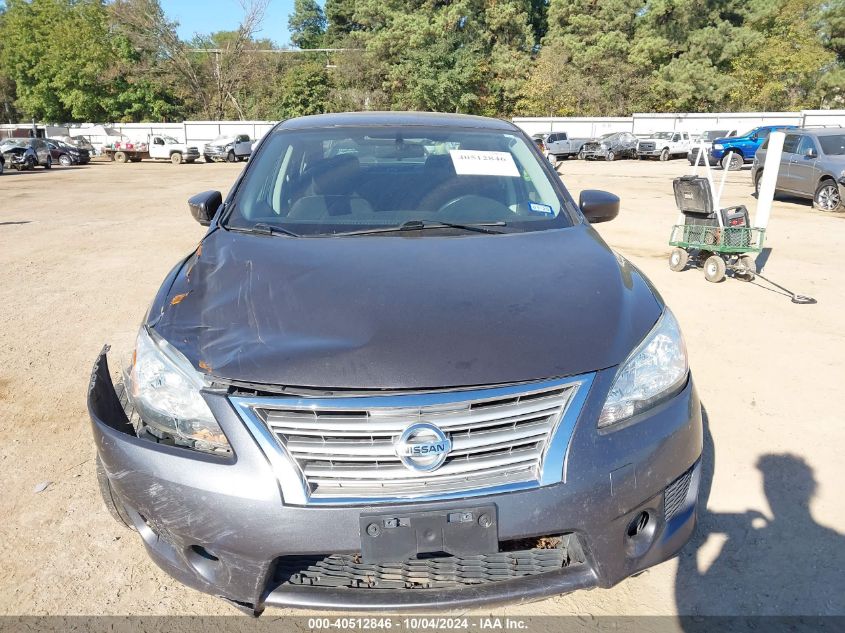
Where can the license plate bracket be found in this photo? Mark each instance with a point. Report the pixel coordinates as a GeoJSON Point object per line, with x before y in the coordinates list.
{"type": "Point", "coordinates": [397, 536]}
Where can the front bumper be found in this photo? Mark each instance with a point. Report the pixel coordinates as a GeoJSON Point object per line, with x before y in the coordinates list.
{"type": "Point", "coordinates": [187, 505]}
{"type": "Point", "coordinates": [216, 153]}
{"type": "Point", "coordinates": [594, 154]}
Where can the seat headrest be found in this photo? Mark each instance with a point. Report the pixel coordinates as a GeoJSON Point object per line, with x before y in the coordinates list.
{"type": "Point", "coordinates": [439, 164]}
{"type": "Point", "coordinates": [336, 175]}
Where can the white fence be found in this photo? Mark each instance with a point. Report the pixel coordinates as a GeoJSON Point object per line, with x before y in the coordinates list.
{"type": "Point", "coordinates": [690, 122]}
{"type": "Point", "coordinates": [201, 132]}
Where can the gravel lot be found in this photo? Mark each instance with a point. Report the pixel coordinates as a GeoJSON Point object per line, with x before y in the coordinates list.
{"type": "Point", "coordinates": [82, 251]}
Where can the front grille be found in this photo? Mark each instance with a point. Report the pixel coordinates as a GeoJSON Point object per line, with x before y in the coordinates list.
{"type": "Point", "coordinates": [344, 448]}
{"type": "Point", "coordinates": [676, 493]}
{"type": "Point", "coordinates": [590, 147]}
{"type": "Point", "coordinates": [443, 572]}
{"type": "Point", "coordinates": [646, 147]}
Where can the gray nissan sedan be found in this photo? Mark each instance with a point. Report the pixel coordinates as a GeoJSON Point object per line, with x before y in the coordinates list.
{"type": "Point", "coordinates": [401, 371]}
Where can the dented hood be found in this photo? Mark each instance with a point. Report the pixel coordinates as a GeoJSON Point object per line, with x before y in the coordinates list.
{"type": "Point", "coordinates": [399, 312]}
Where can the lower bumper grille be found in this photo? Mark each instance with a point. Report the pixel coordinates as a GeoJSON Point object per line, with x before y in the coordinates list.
{"type": "Point", "coordinates": [348, 572]}
{"type": "Point", "coordinates": [676, 493]}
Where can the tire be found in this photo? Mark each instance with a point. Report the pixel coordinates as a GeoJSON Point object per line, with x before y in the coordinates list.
{"type": "Point", "coordinates": [176, 158]}
{"type": "Point", "coordinates": [746, 268]}
{"type": "Point", "coordinates": [610, 156]}
{"type": "Point", "coordinates": [120, 157]}
{"type": "Point", "coordinates": [2, 167]}
{"type": "Point", "coordinates": [714, 269]}
{"type": "Point", "coordinates": [757, 178]}
{"type": "Point", "coordinates": [65, 161]}
{"type": "Point", "coordinates": [664, 155]}
{"type": "Point", "coordinates": [732, 161]}
{"type": "Point", "coordinates": [230, 157]}
{"type": "Point", "coordinates": [110, 499]}
{"type": "Point", "coordinates": [678, 259]}
{"type": "Point", "coordinates": [827, 197]}
{"type": "Point", "coordinates": [580, 155]}
{"type": "Point", "coordinates": [49, 163]}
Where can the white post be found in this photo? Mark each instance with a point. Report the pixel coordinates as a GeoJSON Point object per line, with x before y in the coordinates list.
{"type": "Point", "coordinates": [769, 179]}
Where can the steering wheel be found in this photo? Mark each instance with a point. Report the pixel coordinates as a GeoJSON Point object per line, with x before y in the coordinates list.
{"type": "Point", "coordinates": [475, 208]}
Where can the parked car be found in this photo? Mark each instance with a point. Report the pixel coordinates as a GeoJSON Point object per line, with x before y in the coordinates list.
{"type": "Point", "coordinates": [664, 145]}
{"type": "Point", "coordinates": [812, 166]}
{"type": "Point", "coordinates": [610, 147]}
{"type": "Point", "coordinates": [67, 155]}
{"type": "Point", "coordinates": [733, 152]}
{"type": "Point", "coordinates": [26, 153]}
{"type": "Point", "coordinates": [707, 137]}
{"type": "Point", "coordinates": [560, 147]}
{"type": "Point", "coordinates": [230, 148]}
{"type": "Point", "coordinates": [389, 359]}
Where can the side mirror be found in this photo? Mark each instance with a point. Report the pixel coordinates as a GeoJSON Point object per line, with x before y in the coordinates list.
{"type": "Point", "coordinates": [810, 152]}
{"type": "Point", "coordinates": [598, 206]}
{"type": "Point", "coordinates": [204, 205]}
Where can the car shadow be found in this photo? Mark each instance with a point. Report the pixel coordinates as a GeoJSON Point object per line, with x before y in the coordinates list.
{"type": "Point", "coordinates": [15, 222]}
{"type": "Point", "coordinates": [775, 561]}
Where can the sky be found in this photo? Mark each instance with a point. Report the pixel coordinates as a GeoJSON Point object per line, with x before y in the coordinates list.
{"type": "Point", "coordinates": [208, 16]}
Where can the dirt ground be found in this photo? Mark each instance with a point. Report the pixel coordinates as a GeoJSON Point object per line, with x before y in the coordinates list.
{"type": "Point", "coordinates": [83, 250]}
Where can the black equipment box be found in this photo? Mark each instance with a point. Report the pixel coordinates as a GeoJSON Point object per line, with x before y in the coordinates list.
{"type": "Point", "coordinates": [735, 216]}
{"type": "Point", "coordinates": [693, 196]}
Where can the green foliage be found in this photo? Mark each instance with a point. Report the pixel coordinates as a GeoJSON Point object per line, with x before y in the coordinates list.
{"type": "Point", "coordinates": [307, 24]}
{"type": "Point", "coordinates": [305, 90]}
{"type": "Point", "coordinates": [70, 60]}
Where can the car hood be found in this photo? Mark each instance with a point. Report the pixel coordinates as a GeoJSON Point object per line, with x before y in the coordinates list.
{"type": "Point", "coordinates": [391, 312]}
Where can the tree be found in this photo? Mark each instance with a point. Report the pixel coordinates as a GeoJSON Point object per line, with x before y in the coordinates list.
{"type": "Point", "coordinates": [305, 90]}
{"type": "Point", "coordinates": [307, 24]}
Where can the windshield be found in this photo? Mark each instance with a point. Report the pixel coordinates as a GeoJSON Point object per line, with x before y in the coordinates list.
{"type": "Point", "coordinates": [833, 145]}
{"type": "Point", "coordinates": [169, 140]}
{"type": "Point", "coordinates": [608, 135]}
{"type": "Point", "coordinates": [223, 139]}
{"type": "Point", "coordinates": [336, 180]}
{"type": "Point", "coordinates": [712, 135]}
{"type": "Point", "coordinates": [666, 135]}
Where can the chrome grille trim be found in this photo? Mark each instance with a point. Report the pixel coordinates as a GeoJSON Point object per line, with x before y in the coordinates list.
{"type": "Point", "coordinates": [339, 450]}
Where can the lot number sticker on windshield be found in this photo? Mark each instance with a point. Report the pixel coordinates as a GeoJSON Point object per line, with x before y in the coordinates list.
{"type": "Point", "coordinates": [470, 162]}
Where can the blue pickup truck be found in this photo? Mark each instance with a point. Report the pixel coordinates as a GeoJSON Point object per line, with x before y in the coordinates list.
{"type": "Point", "coordinates": [733, 152]}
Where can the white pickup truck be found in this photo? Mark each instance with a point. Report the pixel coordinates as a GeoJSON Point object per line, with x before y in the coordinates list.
{"type": "Point", "coordinates": [157, 146]}
{"type": "Point", "coordinates": [664, 145]}
{"type": "Point", "coordinates": [560, 147]}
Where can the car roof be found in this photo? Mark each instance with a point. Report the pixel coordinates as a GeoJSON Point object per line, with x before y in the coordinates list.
{"type": "Point", "coordinates": [824, 131]}
{"type": "Point", "coordinates": [436, 119]}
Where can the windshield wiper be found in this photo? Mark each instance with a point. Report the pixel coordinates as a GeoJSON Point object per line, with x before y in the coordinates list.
{"type": "Point", "coordinates": [419, 225]}
{"type": "Point", "coordinates": [262, 228]}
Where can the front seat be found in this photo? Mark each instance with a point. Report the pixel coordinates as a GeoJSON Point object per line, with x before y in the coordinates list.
{"type": "Point", "coordinates": [332, 190]}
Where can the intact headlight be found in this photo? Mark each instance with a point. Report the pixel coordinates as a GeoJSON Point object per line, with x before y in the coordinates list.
{"type": "Point", "coordinates": [652, 372]}
{"type": "Point", "coordinates": [718, 146]}
{"type": "Point", "coordinates": [165, 389]}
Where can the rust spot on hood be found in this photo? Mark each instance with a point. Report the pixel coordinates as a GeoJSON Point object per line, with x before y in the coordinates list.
{"type": "Point", "coordinates": [178, 298]}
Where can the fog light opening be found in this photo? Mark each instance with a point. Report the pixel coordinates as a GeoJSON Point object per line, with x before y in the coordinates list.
{"type": "Point", "coordinates": [640, 533]}
{"type": "Point", "coordinates": [638, 525]}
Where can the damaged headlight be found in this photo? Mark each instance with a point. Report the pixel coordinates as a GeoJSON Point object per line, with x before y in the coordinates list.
{"type": "Point", "coordinates": [165, 389]}
{"type": "Point", "coordinates": [654, 371]}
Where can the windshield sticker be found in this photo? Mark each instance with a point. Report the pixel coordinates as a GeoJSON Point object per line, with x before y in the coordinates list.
{"type": "Point", "coordinates": [545, 209]}
{"type": "Point", "coordinates": [470, 162]}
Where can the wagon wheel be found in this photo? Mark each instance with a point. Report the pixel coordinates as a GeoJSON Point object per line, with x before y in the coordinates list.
{"type": "Point", "coordinates": [746, 268]}
{"type": "Point", "coordinates": [714, 269]}
{"type": "Point", "coordinates": [678, 259]}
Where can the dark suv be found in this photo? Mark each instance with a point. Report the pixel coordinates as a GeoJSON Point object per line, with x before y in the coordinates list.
{"type": "Point", "coordinates": [27, 153]}
{"type": "Point", "coordinates": [401, 370]}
